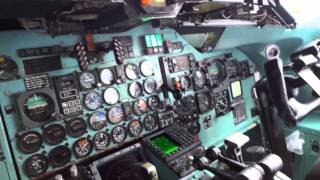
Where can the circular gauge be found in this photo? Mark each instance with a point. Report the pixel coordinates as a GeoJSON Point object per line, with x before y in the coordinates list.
{"type": "Point", "coordinates": [185, 82]}
{"type": "Point", "coordinates": [150, 122]}
{"type": "Point", "coordinates": [59, 156]}
{"type": "Point", "coordinates": [154, 103]}
{"type": "Point", "coordinates": [116, 115]}
{"type": "Point", "coordinates": [193, 127]}
{"type": "Point", "coordinates": [119, 134]}
{"type": "Point", "coordinates": [54, 134]}
{"type": "Point", "coordinates": [150, 85]}
{"type": "Point", "coordinates": [101, 140]}
{"type": "Point", "coordinates": [135, 89]}
{"type": "Point", "coordinates": [8, 68]}
{"type": "Point", "coordinates": [135, 127]}
{"type": "Point", "coordinates": [82, 147]}
{"type": "Point", "coordinates": [87, 80]}
{"type": "Point", "coordinates": [233, 68]}
{"type": "Point", "coordinates": [111, 96]}
{"type": "Point", "coordinates": [39, 107]}
{"type": "Point", "coordinates": [30, 141]}
{"type": "Point", "coordinates": [36, 165]}
{"type": "Point", "coordinates": [146, 68]}
{"type": "Point", "coordinates": [217, 72]}
{"type": "Point", "coordinates": [222, 102]}
{"type": "Point", "coordinates": [107, 76]}
{"type": "Point", "coordinates": [98, 120]}
{"type": "Point", "coordinates": [140, 107]}
{"type": "Point", "coordinates": [76, 127]}
{"type": "Point", "coordinates": [204, 102]}
{"type": "Point", "coordinates": [199, 79]}
{"type": "Point", "coordinates": [132, 71]}
{"type": "Point", "coordinates": [93, 100]}
{"type": "Point", "coordinates": [181, 107]}
{"type": "Point", "coordinates": [191, 103]}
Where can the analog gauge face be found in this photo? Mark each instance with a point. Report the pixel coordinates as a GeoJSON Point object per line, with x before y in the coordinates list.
{"type": "Point", "coordinates": [98, 120]}
{"type": "Point", "coordinates": [36, 165]}
{"type": "Point", "coordinates": [101, 140]}
{"type": "Point", "coordinates": [54, 134]}
{"type": "Point", "coordinates": [8, 68]}
{"type": "Point", "coordinates": [87, 80]}
{"type": "Point", "coordinates": [204, 102]}
{"type": "Point", "coordinates": [150, 85]}
{"type": "Point", "coordinates": [140, 107]}
{"type": "Point", "coordinates": [193, 127]}
{"type": "Point", "coordinates": [116, 115]}
{"type": "Point", "coordinates": [199, 79]}
{"type": "Point", "coordinates": [154, 103]}
{"type": "Point", "coordinates": [222, 102]}
{"type": "Point", "coordinates": [132, 71]}
{"type": "Point", "coordinates": [39, 107]}
{"type": "Point", "coordinates": [146, 68]}
{"type": "Point", "coordinates": [186, 105]}
{"type": "Point", "coordinates": [111, 96]}
{"type": "Point", "coordinates": [119, 134]}
{"type": "Point", "coordinates": [107, 76]}
{"type": "Point", "coordinates": [93, 100]}
{"type": "Point", "coordinates": [217, 72]}
{"type": "Point", "coordinates": [135, 127]}
{"type": "Point", "coordinates": [185, 82]}
{"type": "Point", "coordinates": [181, 107]}
{"type": "Point", "coordinates": [150, 122]}
{"type": "Point", "coordinates": [30, 141]}
{"type": "Point", "coordinates": [135, 89]}
{"type": "Point", "coordinates": [191, 103]}
{"type": "Point", "coordinates": [76, 127]}
{"type": "Point", "coordinates": [59, 156]}
{"type": "Point", "coordinates": [82, 147]}
{"type": "Point", "coordinates": [233, 68]}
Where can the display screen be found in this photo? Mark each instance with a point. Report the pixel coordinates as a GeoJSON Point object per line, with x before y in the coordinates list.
{"type": "Point", "coordinates": [165, 144]}
{"type": "Point", "coordinates": [236, 89]}
{"type": "Point", "coordinates": [214, 69]}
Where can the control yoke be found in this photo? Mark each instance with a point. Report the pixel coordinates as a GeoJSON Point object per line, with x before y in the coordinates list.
{"type": "Point", "coordinates": [283, 88]}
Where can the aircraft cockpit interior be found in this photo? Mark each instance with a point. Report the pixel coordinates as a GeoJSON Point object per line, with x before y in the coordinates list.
{"type": "Point", "coordinates": [159, 90]}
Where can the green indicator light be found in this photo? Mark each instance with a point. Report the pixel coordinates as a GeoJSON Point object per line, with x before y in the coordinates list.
{"type": "Point", "coordinates": [159, 39]}
{"type": "Point", "coordinates": [165, 144]}
{"type": "Point", "coordinates": [148, 40]}
{"type": "Point", "coordinates": [236, 89]}
{"type": "Point", "coordinates": [153, 40]}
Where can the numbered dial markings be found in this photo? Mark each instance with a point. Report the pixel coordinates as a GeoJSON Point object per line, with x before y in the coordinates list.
{"type": "Point", "coordinates": [111, 96]}
{"type": "Point", "coordinates": [146, 68]}
{"type": "Point", "coordinates": [30, 141]}
{"type": "Point", "coordinates": [107, 76]}
{"type": "Point", "coordinates": [204, 102]}
{"type": "Point", "coordinates": [135, 89]}
{"type": "Point", "coordinates": [59, 156]}
{"type": "Point", "coordinates": [76, 127]}
{"type": "Point", "coordinates": [101, 140]}
{"type": "Point", "coordinates": [150, 122]}
{"type": "Point", "coordinates": [82, 147]}
{"type": "Point", "coordinates": [140, 107]}
{"type": "Point", "coordinates": [135, 128]}
{"type": "Point", "coordinates": [154, 103]}
{"type": "Point", "coordinates": [54, 134]}
{"type": "Point", "coordinates": [119, 134]}
{"type": "Point", "coordinates": [36, 165]}
{"type": "Point", "coordinates": [98, 120]}
{"type": "Point", "coordinates": [87, 80]}
{"type": "Point", "coordinates": [132, 71]}
{"type": "Point", "coordinates": [93, 100]}
{"type": "Point", "coordinates": [200, 79]}
{"type": "Point", "coordinates": [150, 85]}
{"type": "Point", "coordinates": [116, 115]}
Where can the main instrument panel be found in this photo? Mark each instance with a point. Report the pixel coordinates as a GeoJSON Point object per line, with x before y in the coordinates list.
{"type": "Point", "coordinates": [67, 104]}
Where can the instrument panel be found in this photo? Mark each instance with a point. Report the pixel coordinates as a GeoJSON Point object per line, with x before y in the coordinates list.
{"type": "Point", "coordinates": [73, 115]}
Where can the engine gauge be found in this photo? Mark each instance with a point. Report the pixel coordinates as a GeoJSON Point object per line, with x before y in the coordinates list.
{"type": "Point", "coordinates": [191, 103]}
{"type": "Point", "coordinates": [87, 80]}
{"type": "Point", "coordinates": [98, 120]}
{"type": "Point", "coordinates": [150, 85]}
{"type": "Point", "coordinates": [233, 68]}
{"type": "Point", "coordinates": [154, 103]}
{"type": "Point", "coordinates": [140, 107]}
{"type": "Point", "coordinates": [135, 89]}
{"type": "Point", "coordinates": [135, 127]}
{"type": "Point", "coordinates": [222, 102]}
{"type": "Point", "coordinates": [204, 102]}
{"type": "Point", "coordinates": [185, 82]}
{"type": "Point", "coordinates": [193, 127]}
{"type": "Point", "coordinates": [39, 107]}
{"type": "Point", "coordinates": [107, 77]}
{"type": "Point", "coordinates": [150, 122]}
{"type": "Point", "coordinates": [146, 68]}
{"type": "Point", "coordinates": [116, 115]}
{"type": "Point", "coordinates": [200, 79]}
{"type": "Point", "coordinates": [93, 100]}
{"type": "Point", "coordinates": [82, 147]}
{"type": "Point", "coordinates": [132, 71]}
{"type": "Point", "coordinates": [54, 134]}
{"type": "Point", "coordinates": [76, 127]}
{"type": "Point", "coordinates": [36, 165]}
{"type": "Point", "coordinates": [217, 72]}
{"type": "Point", "coordinates": [111, 96]}
{"type": "Point", "coordinates": [30, 141]}
{"type": "Point", "coordinates": [59, 156]}
{"type": "Point", "coordinates": [101, 140]}
{"type": "Point", "coordinates": [119, 134]}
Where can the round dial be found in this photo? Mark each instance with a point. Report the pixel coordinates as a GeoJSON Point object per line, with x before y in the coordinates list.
{"type": "Point", "coordinates": [191, 103]}
{"type": "Point", "coordinates": [98, 120]}
{"type": "Point", "coordinates": [146, 68]}
{"type": "Point", "coordinates": [132, 71]}
{"type": "Point", "coordinates": [101, 140]}
{"type": "Point", "coordinates": [140, 107]}
{"type": "Point", "coordinates": [116, 115]}
{"type": "Point", "coordinates": [217, 72]}
{"type": "Point", "coordinates": [30, 141]}
{"type": "Point", "coordinates": [36, 165]}
{"type": "Point", "coordinates": [93, 100]}
{"type": "Point", "coordinates": [119, 134]}
{"type": "Point", "coordinates": [233, 68]}
{"type": "Point", "coordinates": [54, 134]}
{"type": "Point", "coordinates": [76, 127]}
{"type": "Point", "coordinates": [82, 147]}
{"type": "Point", "coordinates": [193, 127]}
{"type": "Point", "coordinates": [135, 89]}
{"type": "Point", "coordinates": [87, 80]}
{"type": "Point", "coordinates": [38, 107]}
{"type": "Point", "coordinates": [135, 127]}
{"type": "Point", "coordinates": [204, 102]}
{"type": "Point", "coordinates": [107, 76]}
{"type": "Point", "coordinates": [59, 156]}
{"type": "Point", "coordinates": [111, 96]}
{"type": "Point", "coordinates": [150, 122]}
{"type": "Point", "coordinates": [150, 85]}
{"type": "Point", "coordinates": [185, 82]}
{"type": "Point", "coordinates": [199, 79]}
{"type": "Point", "coordinates": [154, 103]}
{"type": "Point", "coordinates": [222, 102]}
{"type": "Point", "coordinates": [186, 105]}
{"type": "Point", "coordinates": [8, 68]}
